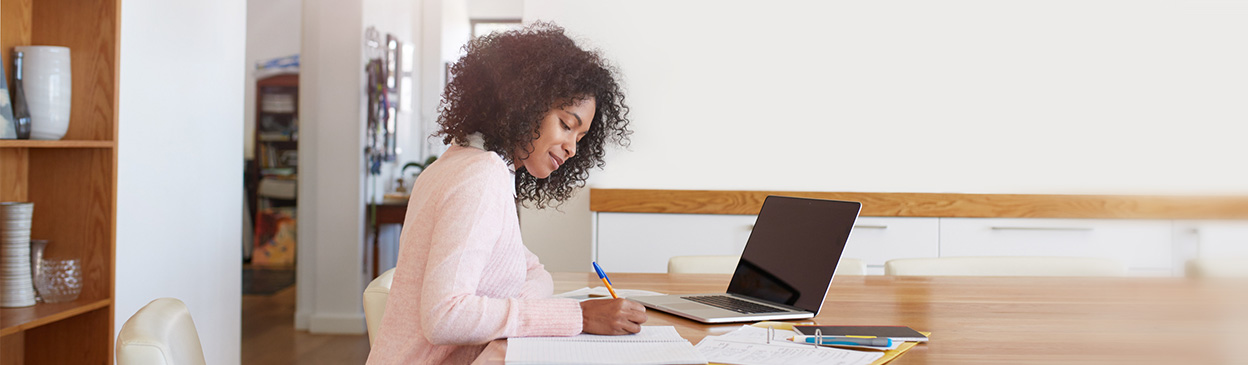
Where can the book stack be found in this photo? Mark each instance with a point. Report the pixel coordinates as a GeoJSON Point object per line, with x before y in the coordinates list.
{"type": "Point", "coordinates": [277, 103]}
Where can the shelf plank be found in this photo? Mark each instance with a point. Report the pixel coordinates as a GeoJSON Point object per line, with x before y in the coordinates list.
{"type": "Point", "coordinates": [21, 319]}
{"type": "Point", "coordinates": [26, 143]}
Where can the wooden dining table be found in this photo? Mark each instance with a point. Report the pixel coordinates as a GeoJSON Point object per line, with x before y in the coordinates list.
{"type": "Point", "coordinates": [1000, 320]}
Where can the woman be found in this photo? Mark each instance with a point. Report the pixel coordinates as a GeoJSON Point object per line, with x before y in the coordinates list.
{"type": "Point", "coordinates": [528, 114]}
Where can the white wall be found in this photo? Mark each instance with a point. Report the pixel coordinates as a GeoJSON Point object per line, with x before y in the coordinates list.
{"type": "Point", "coordinates": [272, 31]}
{"type": "Point", "coordinates": [332, 270]}
{"type": "Point", "coordinates": [495, 9]}
{"type": "Point", "coordinates": [331, 176]}
{"type": "Point", "coordinates": [179, 200]}
{"type": "Point", "coordinates": [445, 30]}
{"type": "Point", "coordinates": [965, 96]}
{"type": "Point", "coordinates": [560, 237]}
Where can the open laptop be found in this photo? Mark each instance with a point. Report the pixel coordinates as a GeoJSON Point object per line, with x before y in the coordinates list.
{"type": "Point", "coordinates": [786, 269]}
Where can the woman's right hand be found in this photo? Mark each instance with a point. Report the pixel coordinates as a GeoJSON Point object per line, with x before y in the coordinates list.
{"type": "Point", "coordinates": [612, 316]}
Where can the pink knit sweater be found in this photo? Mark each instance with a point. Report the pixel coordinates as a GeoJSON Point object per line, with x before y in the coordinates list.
{"type": "Point", "coordinates": [464, 277]}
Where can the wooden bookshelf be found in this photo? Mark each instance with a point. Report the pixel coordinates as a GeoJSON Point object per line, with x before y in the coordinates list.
{"type": "Point", "coordinates": [21, 319]}
{"type": "Point", "coordinates": [11, 143]}
{"type": "Point", "coordinates": [73, 181]}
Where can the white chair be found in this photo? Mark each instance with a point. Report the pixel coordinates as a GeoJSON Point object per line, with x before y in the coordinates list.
{"type": "Point", "coordinates": [160, 333]}
{"type": "Point", "coordinates": [709, 264]}
{"type": "Point", "coordinates": [850, 266]}
{"type": "Point", "coordinates": [375, 296]}
{"type": "Point", "coordinates": [1222, 267]}
{"type": "Point", "coordinates": [1004, 266]}
{"type": "Point", "coordinates": [727, 264]}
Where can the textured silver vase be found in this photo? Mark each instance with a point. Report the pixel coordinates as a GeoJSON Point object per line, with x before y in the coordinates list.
{"type": "Point", "coordinates": [16, 277]}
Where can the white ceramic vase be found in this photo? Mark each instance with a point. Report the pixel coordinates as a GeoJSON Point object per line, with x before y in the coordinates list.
{"type": "Point", "coordinates": [47, 80]}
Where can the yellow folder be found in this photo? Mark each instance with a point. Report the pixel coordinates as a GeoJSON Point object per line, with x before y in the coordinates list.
{"type": "Point", "coordinates": [888, 355]}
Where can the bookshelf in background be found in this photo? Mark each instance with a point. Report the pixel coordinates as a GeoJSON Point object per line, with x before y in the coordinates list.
{"type": "Point", "coordinates": [277, 140]}
{"type": "Point", "coordinates": [73, 181]}
{"type": "Point", "coordinates": [276, 168]}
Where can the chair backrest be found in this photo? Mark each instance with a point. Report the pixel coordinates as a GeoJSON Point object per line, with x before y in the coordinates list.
{"type": "Point", "coordinates": [850, 266]}
{"type": "Point", "coordinates": [727, 264]}
{"type": "Point", "coordinates": [160, 333]}
{"type": "Point", "coordinates": [1222, 267]}
{"type": "Point", "coordinates": [375, 296]}
{"type": "Point", "coordinates": [709, 264]}
{"type": "Point", "coordinates": [1004, 266]}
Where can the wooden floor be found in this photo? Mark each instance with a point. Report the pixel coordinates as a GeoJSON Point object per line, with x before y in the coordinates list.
{"type": "Point", "coordinates": [269, 336]}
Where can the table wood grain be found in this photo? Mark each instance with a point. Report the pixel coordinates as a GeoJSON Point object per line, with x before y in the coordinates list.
{"type": "Point", "coordinates": [1001, 320]}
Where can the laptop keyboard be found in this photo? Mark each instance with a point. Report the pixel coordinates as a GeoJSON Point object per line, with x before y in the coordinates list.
{"type": "Point", "coordinates": [733, 304]}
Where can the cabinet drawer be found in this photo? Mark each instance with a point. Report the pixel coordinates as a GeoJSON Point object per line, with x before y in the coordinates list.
{"type": "Point", "coordinates": [876, 240]}
{"type": "Point", "coordinates": [1140, 245]}
{"type": "Point", "coordinates": [1212, 238]}
{"type": "Point", "coordinates": [643, 242]}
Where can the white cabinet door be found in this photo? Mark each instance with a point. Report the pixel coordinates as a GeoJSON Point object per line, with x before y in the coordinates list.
{"type": "Point", "coordinates": [1143, 246]}
{"type": "Point", "coordinates": [1224, 238]}
{"type": "Point", "coordinates": [876, 240]}
{"type": "Point", "coordinates": [642, 242]}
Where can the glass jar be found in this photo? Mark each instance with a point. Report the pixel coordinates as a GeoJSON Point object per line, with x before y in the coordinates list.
{"type": "Point", "coordinates": [59, 280]}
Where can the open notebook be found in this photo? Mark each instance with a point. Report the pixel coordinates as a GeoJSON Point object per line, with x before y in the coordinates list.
{"type": "Point", "coordinates": [653, 345]}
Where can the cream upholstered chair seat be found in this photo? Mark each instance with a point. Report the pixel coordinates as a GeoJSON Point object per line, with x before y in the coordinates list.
{"type": "Point", "coordinates": [375, 296]}
{"type": "Point", "coordinates": [727, 264]}
{"type": "Point", "coordinates": [707, 264]}
{"type": "Point", "coordinates": [161, 332]}
{"type": "Point", "coordinates": [1222, 267]}
{"type": "Point", "coordinates": [850, 266]}
{"type": "Point", "coordinates": [1004, 266]}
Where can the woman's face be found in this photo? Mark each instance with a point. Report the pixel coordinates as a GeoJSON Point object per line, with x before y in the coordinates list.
{"type": "Point", "coordinates": [560, 129]}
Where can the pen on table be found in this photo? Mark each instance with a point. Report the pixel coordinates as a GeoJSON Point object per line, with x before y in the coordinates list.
{"type": "Point", "coordinates": [603, 275]}
{"type": "Point", "coordinates": [847, 340]}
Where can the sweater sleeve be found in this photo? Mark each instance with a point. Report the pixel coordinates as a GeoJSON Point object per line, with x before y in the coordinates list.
{"type": "Point", "coordinates": [537, 281]}
{"type": "Point", "coordinates": [469, 225]}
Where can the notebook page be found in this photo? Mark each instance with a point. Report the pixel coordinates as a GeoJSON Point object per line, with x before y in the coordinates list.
{"type": "Point", "coordinates": [647, 334]}
{"type": "Point", "coordinates": [572, 352]}
{"type": "Point", "coordinates": [600, 292]}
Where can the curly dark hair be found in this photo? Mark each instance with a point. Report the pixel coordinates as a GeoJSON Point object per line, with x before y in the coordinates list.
{"type": "Point", "coordinates": [506, 83]}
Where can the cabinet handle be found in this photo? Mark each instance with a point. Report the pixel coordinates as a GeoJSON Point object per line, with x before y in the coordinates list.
{"type": "Point", "coordinates": [1082, 229]}
{"type": "Point", "coordinates": [868, 226]}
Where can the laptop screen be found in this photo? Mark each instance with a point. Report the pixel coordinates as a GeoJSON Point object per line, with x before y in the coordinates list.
{"type": "Point", "coordinates": [793, 250]}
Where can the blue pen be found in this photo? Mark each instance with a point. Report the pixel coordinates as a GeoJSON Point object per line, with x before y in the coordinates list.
{"type": "Point", "coordinates": [606, 281]}
{"type": "Point", "coordinates": [601, 274]}
{"type": "Point", "coordinates": [850, 341]}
